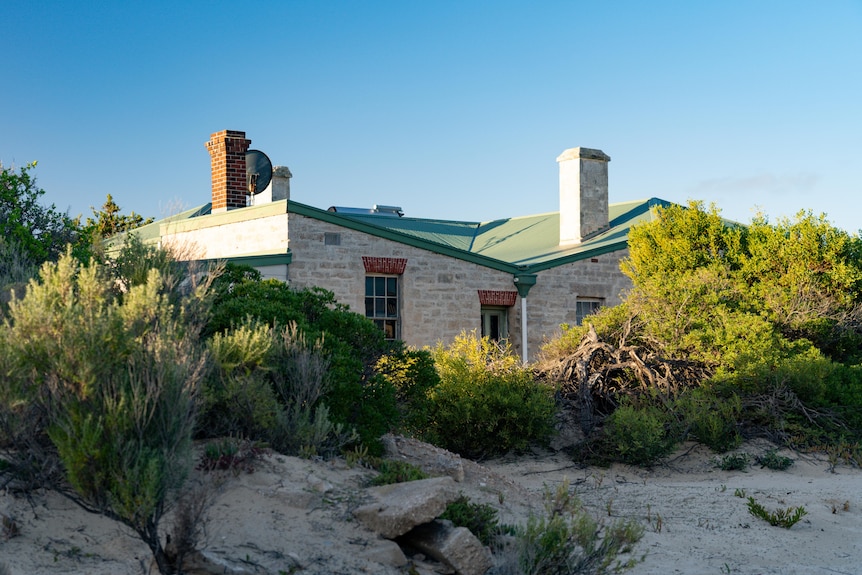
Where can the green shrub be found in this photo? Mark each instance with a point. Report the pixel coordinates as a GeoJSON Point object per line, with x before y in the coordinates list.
{"type": "Point", "coordinates": [733, 462]}
{"type": "Point", "coordinates": [270, 386]}
{"type": "Point", "coordinates": [479, 518]}
{"type": "Point", "coordinates": [351, 345]}
{"type": "Point", "coordinates": [639, 435]}
{"type": "Point", "coordinates": [244, 348]}
{"type": "Point", "coordinates": [392, 471]}
{"type": "Point", "coordinates": [566, 539]}
{"type": "Point", "coordinates": [487, 402]}
{"type": "Point", "coordinates": [16, 269]}
{"type": "Point", "coordinates": [238, 399]}
{"type": "Point", "coordinates": [105, 383]}
{"type": "Point", "coordinates": [300, 372]}
{"type": "Point", "coordinates": [785, 518]}
{"type": "Point", "coordinates": [412, 374]}
{"type": "Point", "coordinates": [369, 408]}
{"type": "Point", "coordinates": [242, 405]}
{"type": "Point", "coordinates": [230, 454]}
{"type": "Point", "coordinates": [771, 460]}
{"type": "Point", "coordinates": [712, 419]}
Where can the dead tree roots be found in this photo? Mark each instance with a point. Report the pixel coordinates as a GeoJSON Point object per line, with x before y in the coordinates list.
{"type": "Point", "coordinates": [595, 377]}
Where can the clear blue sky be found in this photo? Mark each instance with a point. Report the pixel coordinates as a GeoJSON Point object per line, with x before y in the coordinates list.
{"type": "Point", "coordinates": [450, 109]}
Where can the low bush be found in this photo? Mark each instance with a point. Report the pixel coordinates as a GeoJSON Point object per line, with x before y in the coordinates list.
{"type": "Point", "coordinates": [230, 454]}
{"type": "Point", "coordinates": [393, 471]}
{"type": "Point", "coordinates": [487, 402]}
{"type": "Point", "coordinates": [480, 518]}
{"type": "Point", "coordinates": [711, 418]}
{"type": "Point", "coordinates": [771, 460]}
{"type": "Point", "coordinates": [368, 407]}
{"type": "Point", "coordinates": [355, 396]}
{"type": "Point", "coordinates": [103, 386]}
{"type": "Point", "coordinates": [270, 386]}
{"type": "Point", "coordinates": [733, 462]}
{"type": "Point", "coordinates": [640, 435]}
{"type": "Point", "coordinates": [785, 518]}
{"type": "Point", "coordinates": [566, 539]}
{"type": "Point", "coordinates": [413, 375]}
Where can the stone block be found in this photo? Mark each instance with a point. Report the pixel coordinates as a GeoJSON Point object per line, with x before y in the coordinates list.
{"type": "Point", "coordinates": [456, 547]}
{"type": "Point", "coordinates": [430, 459]}
{"type": "Point", "coordinates": [398, 508]}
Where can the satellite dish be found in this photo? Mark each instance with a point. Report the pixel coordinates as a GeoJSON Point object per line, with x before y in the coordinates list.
{"type": "Point", "coordinates": [258, 171]}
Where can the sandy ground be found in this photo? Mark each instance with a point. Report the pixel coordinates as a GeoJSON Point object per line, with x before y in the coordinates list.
{"type": "Point", "coordinates": [696, 515]}
{"type": "Point", "coordinates": [293, 515]}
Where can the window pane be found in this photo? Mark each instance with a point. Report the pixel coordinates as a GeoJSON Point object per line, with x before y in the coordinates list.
{"type": "Point", "coordinates": [584, 308]}
{"type": "Point", "coordinates": [392, 287]}
{"type": "Point", "coordinates": [379, 307]}
{"type": "Point", "coordinates": [389, 329]}
{"type": "Point", "coordinates": [495, 327]}
{"type": "Point", "coordinates": [379, 286]}
{"type": "Point", "coordinates": [369, 307]}
{"type": "Point", "coordinates": [369, 286]}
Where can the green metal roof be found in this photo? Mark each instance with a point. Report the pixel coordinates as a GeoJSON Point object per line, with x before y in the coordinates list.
{"type": "Point", "coordinates": [527, 243]}
{"type": "Point", "coordinates": [151, 233]}
{"type": "Point", "coordinates": [519, 245]}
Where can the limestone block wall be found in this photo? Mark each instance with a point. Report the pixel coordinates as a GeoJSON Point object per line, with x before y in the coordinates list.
{"type": "Point", "coordinates": [439, 294]}
{"type": "Point", "coordinates": [551, 301]}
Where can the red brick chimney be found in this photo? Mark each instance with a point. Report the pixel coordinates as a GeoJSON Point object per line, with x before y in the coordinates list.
{"type": "Point", "coordinates": [227, 156]}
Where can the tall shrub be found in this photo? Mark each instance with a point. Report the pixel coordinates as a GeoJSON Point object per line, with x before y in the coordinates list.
{"type": "Point", "coordinates": [111, 380]}
{"type": "Point", "coordinates": [767, 316]}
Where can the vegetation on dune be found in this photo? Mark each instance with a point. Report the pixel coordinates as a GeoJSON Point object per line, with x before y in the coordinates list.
{"type": "Point", "coordinates": [487, 402]}
{"type": "Point", "coordinates": [729, 331]}
{"type": "Point", "coordinates": [110, 368]}
{"type": "Point", "coordinates": [348, 390]}
{"type": "Point", "coordinates": [99, 387]}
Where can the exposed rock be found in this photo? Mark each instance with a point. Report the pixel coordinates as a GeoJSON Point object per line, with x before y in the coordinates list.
{"type": "Point", "coordinates": [205, 563]}
{"type": "Point", "coordinates": [398, 508]}
{"type": "Point", "coordinates": [318, 484]}
{"type": "Point", "coordinates": [385, 552]}
{"type": "Point", "coordinates": [430, 459]}
{"type": "Point", "coordinates": [454, 546]}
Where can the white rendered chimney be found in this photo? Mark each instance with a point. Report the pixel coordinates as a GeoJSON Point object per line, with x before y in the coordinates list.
{"type": "Point", "coordinates": [278, 188]}
{"type": "Point", "coordinates": [583, 194]}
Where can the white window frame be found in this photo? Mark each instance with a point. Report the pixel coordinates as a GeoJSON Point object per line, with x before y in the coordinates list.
{"type": "Point", "coordinates": [501, 313]}
{"type": "Point", "coordinates": [385, 307]}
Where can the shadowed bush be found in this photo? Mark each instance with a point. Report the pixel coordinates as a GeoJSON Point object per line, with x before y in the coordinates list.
{"type": "Point", "coordinates": [354, 395]}
{"type": "Point", "coordinates": [566, 539]}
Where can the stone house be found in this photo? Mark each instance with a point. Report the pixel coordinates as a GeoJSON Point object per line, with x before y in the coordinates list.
{"type": "Point", "coordinates": [422, 280]}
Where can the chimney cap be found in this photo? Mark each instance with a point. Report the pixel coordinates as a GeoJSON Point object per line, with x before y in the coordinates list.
{"type": "Point", "coordinates": [584, 153]}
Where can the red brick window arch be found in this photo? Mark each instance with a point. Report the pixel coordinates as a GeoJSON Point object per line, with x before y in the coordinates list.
{"type": "Point", "coordinates": [374, 265]}
{"type": "Point", "coordinates": [494, 311]}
